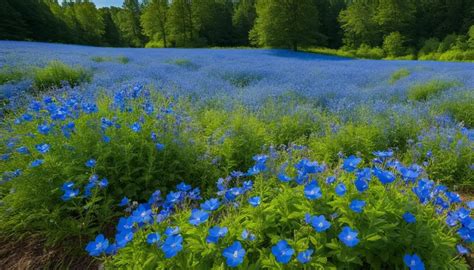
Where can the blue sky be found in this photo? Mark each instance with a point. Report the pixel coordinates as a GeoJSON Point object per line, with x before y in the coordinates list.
{"type": "Point", "coordinates": [107, 3]}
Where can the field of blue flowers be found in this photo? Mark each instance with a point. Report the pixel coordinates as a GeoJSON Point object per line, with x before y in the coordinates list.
{"type": "Point", "coordinates": [233, 158]}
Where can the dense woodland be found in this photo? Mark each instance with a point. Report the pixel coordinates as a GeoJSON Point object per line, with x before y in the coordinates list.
{"type": "Point", "coordinates": [392, 27]}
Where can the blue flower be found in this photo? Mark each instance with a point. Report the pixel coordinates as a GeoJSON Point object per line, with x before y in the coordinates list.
{"type": "Point", "coordinates": [470, 204]}
{"type": "Point", "coordinates": [98, 246]}
{"type": "Point", "coordinates": [284, 178]}
{"type": "Point", "coordinates": [23, 150]}
{"type": "Point", "coordinates": [254, 201]}
{"type": "Point", "coordinates": [409, 217]}
{"type": "Point", "coordinates": [319, 223]}
{"type": "Point", "coordinates": [350, 163]}
{"type": "Point", "coordinates": [305, 256]}
{"type": "Point", "coordinates": [233, 193]}
{"type": "Point", "coordinates": [247, 235]}
{"type": "Point", "coordinates": [198, 217]}
{"type": "Point", "coordinates": [341, 189]}
{"type": "Point", "coordinates": [125, 201]}
{"type": "Point", "coordinates": [215, 233]}
{"type": "Point", "coordinates": [172, 231]}
{"type": "Point", "coordinates": [385, 177]}
{"type": "Point", "coordinates": [36, 163]}
{"type": "Point", "coordinates": [210, 205]}
{"type": "Point", "coordinates": [153, 238]}
{"type": "Point", "coordinates": [42, 148]}
{"type": "Point", "coordinates": [183, 187]}
{"type": "Point", "coordinates": [357, 206]}
{"type": "Point", "coordinates": [159, 146]}
{"type": "Point", "coordinates": [462, 250]}
{"type": "Point", "coordinates": [123, 237]}
{"type": "Point", "coordinates": [330, 180]}
{"type": "Point", "coordinates": [234, 254]}
{"type": "Point", "coordinates": [91, 163]}
{"type": "Point", "coordinates": [69, 192]}
{"type": "Point", "coordinates": [413, 262]}
{"type": "Point", "coordinates": [103, 183]}
{"type": "Point", "coordinates": [173, 197]}
{"type": "Point", "coordinates": [383, 154]}
{"type": "Point", "coordinates": [361, 184]}
{"type": "Point", "coordinates": [172, 245]}
{"type": "Point", "coordinates": [312, 190]}
{"type": "Point", "coordinates": [44, 129]}
{"type": "Point", "coordinates": [136, 127]}
{"type": "Point", "coordinates": [142, 214]}
{"type": "Point", "coordinates": [282, 252]}
{"type": "Point", "coordinates": [348, 236]}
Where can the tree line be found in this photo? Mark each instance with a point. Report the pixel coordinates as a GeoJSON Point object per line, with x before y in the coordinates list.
{"type": "Point", "coordinates": [397, 26]}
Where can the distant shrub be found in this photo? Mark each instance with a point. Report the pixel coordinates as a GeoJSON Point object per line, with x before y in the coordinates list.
{"type": "Point", "coordinates": [365, 51]}
{"type": "Point", "coordinates": [10, 74]}
{"type": "Point", "coordinates": [393, 44]}
{"type": "Point", "coordinates": [120, 59]}
{"type": "Point", "coordinates": [155, 44]}
{"type": "Point", "coordinates": [185, 63]}
{"type": "Point", "coordinates": [399, 74]}
{"type": "Point", "coordinates": [420, 92]}
{"type": "Point", "coordinates": [241, 79]}
{"type": "Point", "coordinates": [470, 40]}
{"type": "Point", "coordinates": [56, 73]}
{"type": "Point", "coordinates": [448, 42]}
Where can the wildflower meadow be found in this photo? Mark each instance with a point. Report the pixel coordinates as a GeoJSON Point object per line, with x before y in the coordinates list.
{"type": "Point", "coordinates": [127, 158]}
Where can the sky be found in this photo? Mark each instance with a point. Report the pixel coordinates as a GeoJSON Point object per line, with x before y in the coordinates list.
{"type": "Point", "coordinates": [107, 3]}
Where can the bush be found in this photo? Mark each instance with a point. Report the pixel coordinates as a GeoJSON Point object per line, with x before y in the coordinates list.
{"type": "Point", "coordinates": [424, 91]}
{"type": "Point", "coordinates": [393, 44]}
{"type": "Point", "coordinates": [120, 59]}
{"type": "Point", "coordinates": [399, 74]}
{"type": "Point", "coordinates": [461, 110]}
{"type": "Point", "coordinates": [310, 216]}
{"type": "Point", "coordinates": [56, 74]}
{"type": "Point", "coordinates": [448, 42]}
{"type": "Point", "coordinates": [429, 46]}
{"type": "Point", "coordinates": [10, 74]}
{"type": "Point", "coordinates": [365, 51]}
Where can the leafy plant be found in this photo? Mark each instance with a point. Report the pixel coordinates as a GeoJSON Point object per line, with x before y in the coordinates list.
{"type": "Point", "coordinates": [56, 74]}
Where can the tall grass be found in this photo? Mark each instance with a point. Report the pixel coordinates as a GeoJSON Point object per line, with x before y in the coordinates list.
{"type": "Point", "coordinates": [399, 74]}
{"type": "Point", "coordinates": [57, 74]}
{"type": "Point", "coordinates": [421, 92]}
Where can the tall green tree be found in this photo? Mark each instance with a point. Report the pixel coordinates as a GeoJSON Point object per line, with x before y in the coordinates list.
{"type": "Point", "coordinates": [180, 21]}
{"type": "Point", "coordinates": [154, 21]}
{"type": "Point", "coordinates": [128, 21]}
{"type": "Point", "coordinates": [243, 20]}
{"type": "Point", "coordinates": [359, 25]}
{"type": "Point", "coordinates": [285, 23]}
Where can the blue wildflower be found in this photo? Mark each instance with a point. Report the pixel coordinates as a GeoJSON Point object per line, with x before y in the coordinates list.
{"type": "Point", "coordinates": [319, 223]}
{"type": "Point", "coordinates": [247, 235]}
{"type": "Point", "coordinates": [233, 193]}
{"type": "Point", "coordinates": [385, 177]}
{"type": "Point", "coordinates": [282, 252]}
{"type": "Point", "coordinates": [409, 217]}
{"type": "Point", "coordinates": [42, 148]}
{"type": "Point", "coordinates": [123, 237]}
{"type": "Point", "coordinates": [198, 217]}
{"type": "Point", "coordinates": [312, 190]}
{"type": "Point", "coordinates": [341, 189]}
{"type": "Point", "coordinates": [183, 187]}
{"type": "Point", "coordinates": [44, 129]}
{"type": "Point", "coordinates": [98, 246]}
{"type": "Point", "coordinates": [304, 257]}
{"type": "Point", "coordinates": [330, 180]}
{"type": "Point", "coordinates": [142, 214]}
{"type": "Point", "coordinates": [136, 127]}
{"type": "Point", "coordinates": [103, 183]}
{"type": "Point", "coordinates": [172, 245]}
{"type": "Point", "coordinates": [36, 163]}
{"type": "Point", "coordinates": [23, 150]}
{"type": "Point", "coordinates": [383, 154]}
{"type": "Point", "coordinates": [159, 146]}
{"type": "Point", "coordinates": [171, 231]}
{"type": "Point", "coordinates": [211, 204]}
{"type": "Point", "coordinates": [152, 238]}
{"type": "Point", "coordinates": [255, 201]}
{"type": "Point", "coordinates": [284, 178]}
{"type": "Point", "coordinates": [234, 254]}
{"type": "Point", "coordinates": [361, 184]}
{"type": "Point", "coordinates": [350, 163]}
{"type": "Point", "coordinates": [349, 236]}
{"type": "Point", "coordinates": [125, 201]}
{"type": "Point", "coordinates": [91, 163]}
{"type": "Point", "coordinates": [215, 233]}
{"type": "Point", "coordinates": [413, 262]}
{"type": "Point", "coordinates": [462, 249]}
{"type": "Point", "coordinates": [357, 205]}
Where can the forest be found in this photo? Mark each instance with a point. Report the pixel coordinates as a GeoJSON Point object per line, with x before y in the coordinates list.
{"type": "Point", "coordinates": [372, 29]}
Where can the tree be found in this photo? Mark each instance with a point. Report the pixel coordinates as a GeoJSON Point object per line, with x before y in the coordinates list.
{"type": "Point", "coordinates": [90, 22]}
{"type": "Point", "coordinates": [213, 21]}
{"type": "Point", "coordinates": [128, 21]}
{"type": "Point", "coordinates": [359, 26]}
{"type": "Point", "coordinates": [180, 20]}
{"type": "Point", "coordinates": [393, 44]}
{"type": "Point", "coordinates": [155, 21]}
{"type": "Point", "coordinates": [285, 23]}
{"type": "Point", "coordinates": [243, 20]}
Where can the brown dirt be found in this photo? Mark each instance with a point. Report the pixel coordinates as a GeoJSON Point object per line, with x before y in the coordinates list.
{"type": "Point", "coordinates": [31, 253]}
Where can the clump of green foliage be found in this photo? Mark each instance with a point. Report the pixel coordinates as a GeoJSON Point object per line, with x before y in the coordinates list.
{"type": "Point", "coordinates": [241, 79]}
{"type": "Point", "coordinates": [461, 109]}
{"type": "Point", "coordinates": [424, 91]}
{"type": "Point", "coordinates": [56, 73]}
{"type": "Point", "coordinates": [10, 74]}
{"type": "Point", "coordinates": [185, 63]}
{"type": "Point", "coordinates": [399, 74]}
{"type": "Point", "coordinates": [120, 59]}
